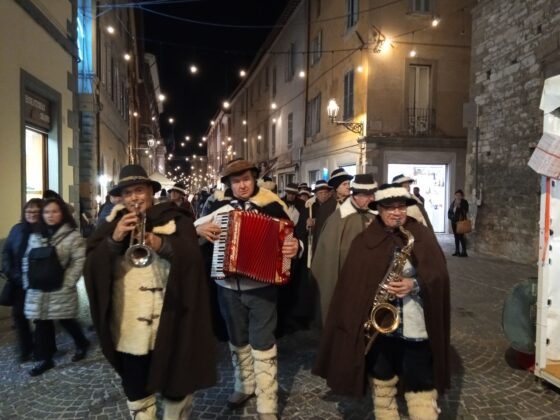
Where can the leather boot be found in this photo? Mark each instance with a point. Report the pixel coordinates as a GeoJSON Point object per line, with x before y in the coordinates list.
{"type": "Point", "coordinates": [244, 388]}
{"type": "Point", "coordinates": [384, 398]}
{"type": "Point", "coordinates": [266, 369]}
{"type": "Point", "coordinates": [144, 409]}
{"type": "Point", "coordinates": [177, 410]}
{"type": "Point", "coordinates": [422, 405]}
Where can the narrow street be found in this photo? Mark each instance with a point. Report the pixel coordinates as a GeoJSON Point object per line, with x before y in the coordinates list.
{"type": "Point", "coordinates": [484, 386]}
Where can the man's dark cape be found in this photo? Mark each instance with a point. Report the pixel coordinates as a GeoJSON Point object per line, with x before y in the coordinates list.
{"type": "Point", "coordinates": [341, 359]}
{"type": "Point", "coordinates": [183, 359]}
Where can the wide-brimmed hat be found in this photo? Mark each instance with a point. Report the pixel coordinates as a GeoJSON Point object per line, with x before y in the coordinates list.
{"type": "Point", "coordinates": [303, 189]}
{"type": "Point", "coordinates": [391, 193]}
{"type": "Point", "coordinates": [237, 166]}
{"type": "Point", "coordinates": [133, 175]}
{"type": "Point", "coordinates": [179, 187]}
{"type": "Point", "coordinates": [322, 185]}
{"type": "Point", "coordinates": [338, 176]}
{"type": "Point", "coordinates": [363, 184]}
{"type": "Point", "coordinates": [291, 188]}
{"type": "Point", "coordinates": [401, 179]}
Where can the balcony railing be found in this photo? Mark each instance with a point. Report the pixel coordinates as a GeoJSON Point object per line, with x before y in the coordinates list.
{"type": "Point", "coordinates": [421, 121]}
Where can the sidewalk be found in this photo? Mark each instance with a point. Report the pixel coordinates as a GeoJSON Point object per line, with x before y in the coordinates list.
{"type": "Point", "coordinates": [484, 386]}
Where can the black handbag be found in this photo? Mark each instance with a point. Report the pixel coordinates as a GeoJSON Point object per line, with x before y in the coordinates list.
{"type": "Point", "coordinates": [45, 271]}
{"type": "Point", "coordinates": [7, 294]}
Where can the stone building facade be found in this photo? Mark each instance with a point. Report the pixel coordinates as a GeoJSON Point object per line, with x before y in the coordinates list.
{"type": "Point", "coordinates": [38, 111]}
{"type": "Point", "coordinates": [515, 47]}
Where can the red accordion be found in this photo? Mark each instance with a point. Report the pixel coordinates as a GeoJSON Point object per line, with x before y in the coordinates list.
{"type": "Point", "coordinates": [250, 244]}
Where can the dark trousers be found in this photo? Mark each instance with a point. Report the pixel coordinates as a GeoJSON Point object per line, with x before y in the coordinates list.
{"type": "Point", "coordinates": [134, 373]}
{"type": "Point", "coordinates": [250, 316]}
{"type": "Point", "coordinates": [411, 361]}
{"type": "Point", "coordinates": [45, 340]}
{"type": "Point", "coordinates": [23, 328]}
{"type": "Point", "coordinates": [459, 240]}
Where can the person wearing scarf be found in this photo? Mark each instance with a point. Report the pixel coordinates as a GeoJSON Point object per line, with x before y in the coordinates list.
{"type": "Point", "coordinates": [58, 227]}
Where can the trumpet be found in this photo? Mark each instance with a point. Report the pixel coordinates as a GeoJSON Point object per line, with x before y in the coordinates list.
{"type": "Point", "coordinates": [138, 253]}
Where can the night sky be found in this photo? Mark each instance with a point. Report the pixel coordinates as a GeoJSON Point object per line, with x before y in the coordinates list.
{"type": "Point", "coordinates": [218, 51]}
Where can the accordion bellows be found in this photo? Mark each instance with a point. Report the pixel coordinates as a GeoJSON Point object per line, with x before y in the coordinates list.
{"type": "Point", "coordinates": [250, 244]}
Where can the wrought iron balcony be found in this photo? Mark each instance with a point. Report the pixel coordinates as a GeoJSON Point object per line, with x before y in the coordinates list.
{"type": "Point", "coordinates": [420, 121]}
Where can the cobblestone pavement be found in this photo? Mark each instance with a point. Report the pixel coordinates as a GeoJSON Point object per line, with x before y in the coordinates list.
{"type": "Point", "coordinates": [484, 385]}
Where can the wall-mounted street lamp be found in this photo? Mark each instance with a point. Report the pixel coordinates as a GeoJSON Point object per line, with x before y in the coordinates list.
{"type": "Point", "coordinates": [355, 127]}
{"type": "Point", "coordinates": [332, 112]}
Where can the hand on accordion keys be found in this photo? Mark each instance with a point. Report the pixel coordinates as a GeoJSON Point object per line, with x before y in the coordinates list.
{"type": "Point", "coordinates": [290, 247]}
{"type": "Point", "coordinates": [209, 230]}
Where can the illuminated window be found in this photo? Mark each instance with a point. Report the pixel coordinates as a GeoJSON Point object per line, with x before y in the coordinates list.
{"type": "Point", "coordinates": [35, 163]}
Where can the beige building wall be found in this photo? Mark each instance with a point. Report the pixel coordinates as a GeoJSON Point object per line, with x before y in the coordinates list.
{"type": "Point", "coordinates": [29, 54]}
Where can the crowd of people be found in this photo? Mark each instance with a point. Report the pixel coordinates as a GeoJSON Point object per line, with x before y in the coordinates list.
{"type": "Point", "coordinates": [158, 307]}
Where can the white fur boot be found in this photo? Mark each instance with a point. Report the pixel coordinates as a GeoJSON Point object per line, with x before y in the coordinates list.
{"type": "Point", "coordinates": [244, 388]}
{"type": "Point", "coordinates": [422, 405]}
{"type": "Point", "coordinates": [144, 409]}
{"type": "Point", "coordinates": [177, 410]}
{"type": "Point", "coordinates": [266, 369]}
{"type": "Point", "coordinates": [384, 398]}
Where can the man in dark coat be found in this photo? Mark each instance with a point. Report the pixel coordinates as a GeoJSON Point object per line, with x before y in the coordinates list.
{"type": "Point", "coordinates": [152, 321]}
{"type": "Point", "coordinates": [340, 229]}
{"type": "Point", "coordinates": [417, 352]}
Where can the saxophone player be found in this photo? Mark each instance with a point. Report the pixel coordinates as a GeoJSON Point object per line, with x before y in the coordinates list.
{"type": "Point", "coordinates": [416, 353]}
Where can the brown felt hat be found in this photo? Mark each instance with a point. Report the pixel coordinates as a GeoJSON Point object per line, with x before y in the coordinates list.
{"type": "Point", "coordinates": [238, 166]}
{"type": "Point", "coordinates": [133, 175]}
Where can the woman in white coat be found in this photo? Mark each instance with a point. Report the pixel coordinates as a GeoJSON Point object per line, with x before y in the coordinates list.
{"type": "Point", "coordinates": [58, 226]}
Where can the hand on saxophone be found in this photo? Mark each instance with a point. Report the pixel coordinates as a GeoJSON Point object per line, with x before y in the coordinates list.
{"type": "Point", "coordinates": [402, 287]}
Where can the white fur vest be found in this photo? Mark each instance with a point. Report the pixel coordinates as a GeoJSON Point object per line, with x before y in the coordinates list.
{"type": "Point", "coordinates": [138, 300]}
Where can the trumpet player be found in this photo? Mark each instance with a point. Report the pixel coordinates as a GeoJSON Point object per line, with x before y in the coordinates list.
{"type": "Point", "coordinates": [150, 307]}
{"type": "Point", "coordinates": [415, 350]}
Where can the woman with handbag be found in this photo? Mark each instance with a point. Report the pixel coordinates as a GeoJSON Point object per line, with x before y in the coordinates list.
{"type": "Point", "coordinates": [458, 211]}
{"type": "Point", "coordinates": [12, 255]}
{"type": "Point", "coordinates": [59, 302]}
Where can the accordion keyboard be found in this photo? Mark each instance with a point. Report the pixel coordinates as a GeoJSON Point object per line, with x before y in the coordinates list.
{"type": "Point", "coordinates": [219, 253]}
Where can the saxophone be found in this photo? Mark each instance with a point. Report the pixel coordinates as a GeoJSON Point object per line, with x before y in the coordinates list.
{"type": "Point", "coordinates": [384, 317]}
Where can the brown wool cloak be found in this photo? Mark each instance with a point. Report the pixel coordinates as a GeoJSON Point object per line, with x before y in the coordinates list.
{"type": "Point", "coordinates": [183, 359]}
{"type": "Point", "coordinates": [340, 359]}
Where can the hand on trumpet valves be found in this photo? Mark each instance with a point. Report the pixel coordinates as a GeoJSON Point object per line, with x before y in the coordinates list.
{"type": "Point", "coordinates": [402, 287]}
{"type": "Point", "coordinates": [209, 230]}
{"type": "Point", "coordinates": [125, 225]}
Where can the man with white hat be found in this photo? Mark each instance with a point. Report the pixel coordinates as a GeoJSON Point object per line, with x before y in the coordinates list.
{"type": "Point", "coordinates": [416, 353]}
{"type": "Point", "coordinates": [177, 194]}
{"type": "Point", "coordinates": [417, 210]}
{"type": "Point", "coordinates": [340, 229]}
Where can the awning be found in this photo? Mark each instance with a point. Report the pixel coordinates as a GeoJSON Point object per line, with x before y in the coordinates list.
{"type": "Point", "coordinates": [550, 99]}
{"type": "Point", "coordinates": [162, 179]}
{"type": "Point", "coordinates": [286, 169]}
